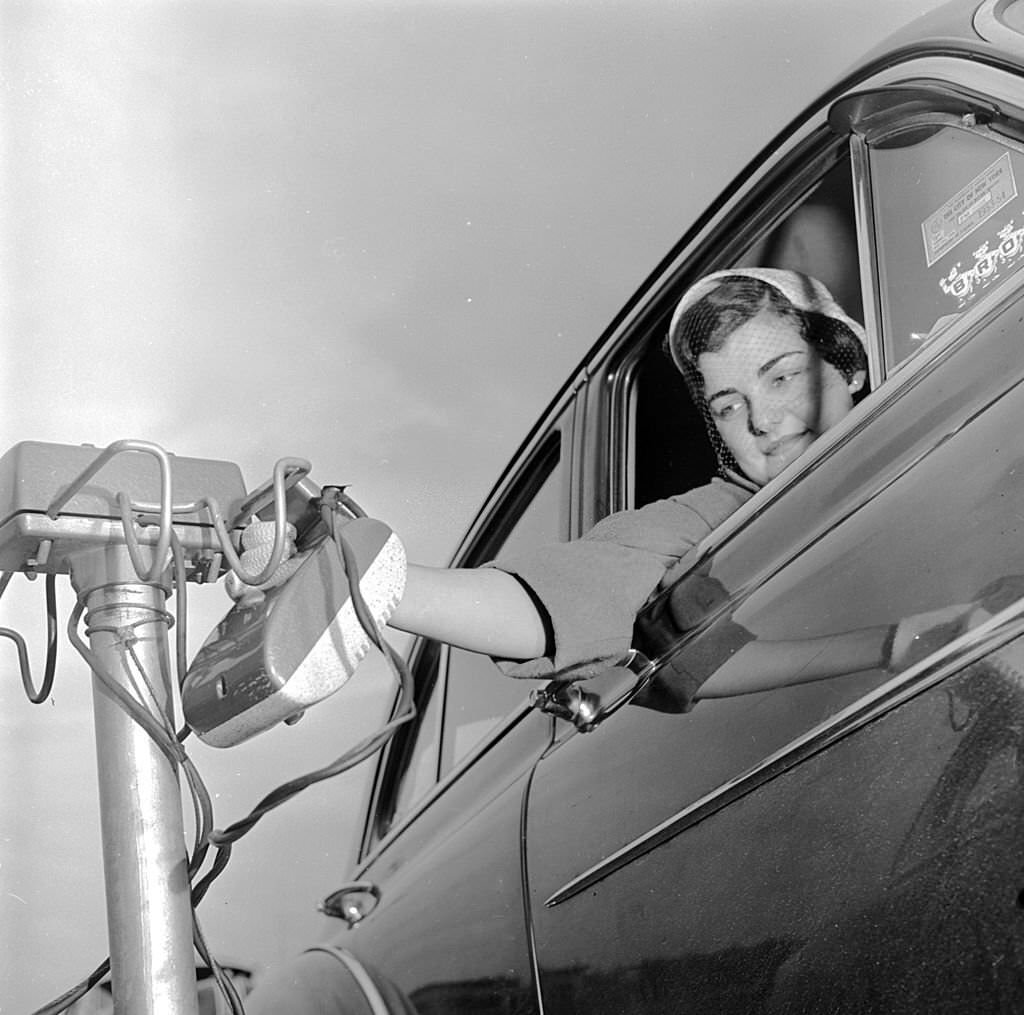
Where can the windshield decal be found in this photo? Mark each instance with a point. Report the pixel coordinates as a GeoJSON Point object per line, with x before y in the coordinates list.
{"type": "Point", "coordinates": [970, 208]}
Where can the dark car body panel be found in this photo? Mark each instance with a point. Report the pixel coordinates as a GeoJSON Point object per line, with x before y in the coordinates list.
{"type": "Point", "coordinates": [450, 931]}
{"type": "Point", "coordinates": [901, 895]}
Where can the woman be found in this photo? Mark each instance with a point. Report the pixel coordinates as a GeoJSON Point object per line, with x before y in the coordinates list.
{"type": "Point", "coordinates": [773, 362]}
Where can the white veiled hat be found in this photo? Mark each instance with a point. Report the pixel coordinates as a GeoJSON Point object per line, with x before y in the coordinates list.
{"type": "Point", "coordinates": [804, 292]}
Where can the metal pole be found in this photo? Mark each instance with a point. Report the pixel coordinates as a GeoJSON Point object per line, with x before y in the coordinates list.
{"type": "Point", "coordinates": [149, 911]}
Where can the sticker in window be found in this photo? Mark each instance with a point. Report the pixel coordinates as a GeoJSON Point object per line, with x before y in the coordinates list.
{"type": "Point", "coordinates": [964, 283]}
{"type": "Point", "coordinates": [972, 206]}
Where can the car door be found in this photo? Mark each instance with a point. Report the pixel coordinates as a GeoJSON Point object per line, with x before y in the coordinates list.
{"type": "Point", "coordinates": [850, 844]}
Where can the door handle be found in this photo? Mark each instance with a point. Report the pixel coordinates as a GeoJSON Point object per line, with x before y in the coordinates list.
{"type": "Point", "coordinates": [589, 703]}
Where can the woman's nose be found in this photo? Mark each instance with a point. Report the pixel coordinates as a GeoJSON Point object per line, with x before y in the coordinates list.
{"type": "Point", "coordinates": [763, 415]}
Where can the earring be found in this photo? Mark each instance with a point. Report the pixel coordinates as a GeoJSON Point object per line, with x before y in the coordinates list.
{"type": "Point", "coordinates": [855, 385]}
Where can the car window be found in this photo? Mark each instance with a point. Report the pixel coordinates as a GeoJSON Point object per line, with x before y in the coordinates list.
{"type": "Point", "coordinates": [420, 753]}
{"type": "Point", "coordinates": [478, 694]}
{"type": "Point", "coordinates": [671, 452]}
{"type": "Point", "coordinates": [462, 695]}
{"type": "Point", "coordinates": [948, 224]}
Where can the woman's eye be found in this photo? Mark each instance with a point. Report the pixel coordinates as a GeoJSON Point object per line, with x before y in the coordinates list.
{"type": "Point", "coordinates": [780, 380]}
{"type": "Point", "coordinates": [726, 410]}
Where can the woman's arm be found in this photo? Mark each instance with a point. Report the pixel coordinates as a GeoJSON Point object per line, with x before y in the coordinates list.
{"type": "Point", "coordinates": [762, 665]}
{"type": "Point", "coordinates": [480, 609]}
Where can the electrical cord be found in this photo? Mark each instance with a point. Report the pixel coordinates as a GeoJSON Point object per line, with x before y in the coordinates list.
{"type": "Point", "coordinates": [152, 719]}
{"type": "Point", "coordinates": [283, 479]}
{"type": "Point", "coordinates": [76, 993]}
{"type": "Point", "coordinates": [165, 508]}
{"type": "Point", "coordinates": [36, 696]}
{"type": "Point", "coordinates": [403, 712]}
{"type": "Point", "coordinates": [144, 707]}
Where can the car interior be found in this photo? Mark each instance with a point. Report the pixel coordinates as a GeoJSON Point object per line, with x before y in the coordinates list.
{"type": "Point", "coordinates": [818, 237]}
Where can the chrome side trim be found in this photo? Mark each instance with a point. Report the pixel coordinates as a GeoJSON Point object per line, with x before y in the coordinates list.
{"type": "Point", "coordinates": [961, 652]}
{"type": "Point", "coordinates": [374, 998]}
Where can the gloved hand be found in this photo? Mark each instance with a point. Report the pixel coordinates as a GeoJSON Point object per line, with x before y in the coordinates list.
{"type": "Point", "coordinates": [918, 636]}
{"type": "Point", "coordinates": [1002, 592]}
{"type": "Point", "coordinates": [689, 603]}
{"type": "Point", "coordinates": [921, 634]}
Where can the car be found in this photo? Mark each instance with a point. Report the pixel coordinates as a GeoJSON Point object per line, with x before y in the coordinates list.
{"type": "Point", "coordinates": [846, 845]}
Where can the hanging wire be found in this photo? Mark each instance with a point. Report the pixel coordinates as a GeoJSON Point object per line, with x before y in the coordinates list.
{"type": "Point", "coordinates": [181, 609]}
{"type": "Point", "coordinates": [404, 711]}
{"type": "Point", "coordinates": [76, 993]}
{"type": "Point", "coordinates": [145, 709]}
{"type": "Point", "coordinates": [165, 507]}
{"type": "Point", "coordinates": [223, 981]}
{"type": "Point", "coordinates": [287, 472]}
{"type": "Point", "coordinates": [36, 695]}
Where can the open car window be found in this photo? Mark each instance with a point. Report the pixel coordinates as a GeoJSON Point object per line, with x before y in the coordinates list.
{"type": "Point", "coordinates": [461, 696]}
{"type": "Point", "coordinates": [670, 451]}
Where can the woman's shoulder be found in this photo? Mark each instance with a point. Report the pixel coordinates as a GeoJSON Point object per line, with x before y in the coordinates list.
{"type": "Point", "coordinates": [714, 502]}
{"type": "Point", "coordinates": [677, 522]}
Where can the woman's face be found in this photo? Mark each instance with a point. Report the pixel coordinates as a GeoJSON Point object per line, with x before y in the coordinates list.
{"type": "Point", "coordinates": [771, 395]}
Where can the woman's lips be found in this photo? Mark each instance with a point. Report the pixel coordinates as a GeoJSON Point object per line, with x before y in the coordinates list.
{"type": "Point", "coordinates": [786, 449]}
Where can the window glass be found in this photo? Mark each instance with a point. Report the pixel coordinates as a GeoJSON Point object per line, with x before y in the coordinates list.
{"type": "Point", "coordinates": [463, 693]}
{"type": "Point", "coordinates": [949, 226]}
{"type": "Point", "coordinates": [819, 238]}
{"type": "Point", "coordinates": [478, 694]}
{"type": "Point", "coordinates": [421, 772]}
{"type": "Point", "coordinates": [420, 748]}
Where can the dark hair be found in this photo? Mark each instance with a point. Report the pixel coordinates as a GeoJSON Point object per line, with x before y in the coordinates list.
{"type": "Point", "coordinates": [707, 325]}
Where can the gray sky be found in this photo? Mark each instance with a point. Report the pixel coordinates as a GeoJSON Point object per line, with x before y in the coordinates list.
{"type": "Point", "coordinates": [375, 235]}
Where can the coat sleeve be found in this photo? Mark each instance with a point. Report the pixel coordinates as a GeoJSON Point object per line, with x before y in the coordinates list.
{"type": "Point", "coordinates": [593, 588]}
